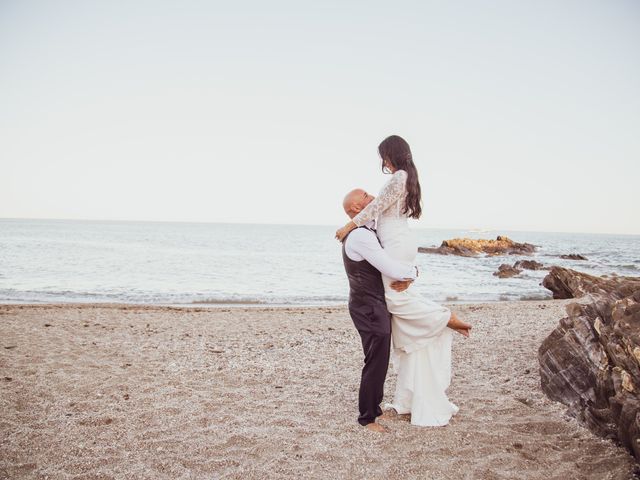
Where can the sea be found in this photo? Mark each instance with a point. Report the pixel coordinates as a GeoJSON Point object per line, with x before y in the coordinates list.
{"type": "Point", "coordinates": [59, 261]}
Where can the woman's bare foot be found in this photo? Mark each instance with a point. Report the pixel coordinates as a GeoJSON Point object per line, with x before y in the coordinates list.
{"type": "Point", "coordinates": [462, 331]}
{"type": "Point", "coordinates": [458, 325]}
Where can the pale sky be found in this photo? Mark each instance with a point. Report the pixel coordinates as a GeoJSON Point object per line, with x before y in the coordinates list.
{"type": "Point", "coordinates": [522, 115]}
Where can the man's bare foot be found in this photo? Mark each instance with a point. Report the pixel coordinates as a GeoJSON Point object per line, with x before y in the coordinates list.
{"type": "Point", "coordinates": [376, 427]}
{"type": "Point", "coordinates": [458, 325]}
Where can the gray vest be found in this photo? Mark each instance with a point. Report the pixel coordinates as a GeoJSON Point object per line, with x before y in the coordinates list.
{"type": "Point", "coordinates": [367, 305]}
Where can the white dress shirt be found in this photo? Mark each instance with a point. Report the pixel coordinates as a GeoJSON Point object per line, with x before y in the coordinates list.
{"type": "Point", "coordinates": [362, 244]}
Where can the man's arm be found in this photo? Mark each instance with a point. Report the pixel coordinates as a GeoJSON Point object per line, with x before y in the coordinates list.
{"type": "Point", "coordinates": [365, 243]}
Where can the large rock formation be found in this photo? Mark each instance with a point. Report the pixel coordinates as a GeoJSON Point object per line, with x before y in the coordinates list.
{"type": "Point", "coordinates": [591, 363]}
{"type": "Point", "coordinates": [568, 283]}
{"type": "Point", "coordinates": [470, 247]}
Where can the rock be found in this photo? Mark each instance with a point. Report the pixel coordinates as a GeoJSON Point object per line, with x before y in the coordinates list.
{"type": "Point", "coordinates": [573, 256]}
{"type": "Point", "coordinates": [590, 363]}
{"type": "Point", "coordinates": [471, 247]}
{"type": "Point", "coordinates": [506, 270]}
{"type": "Point", "coordinates": [529, 265]}
{"type": "Point", "coordinates": [568, 283]}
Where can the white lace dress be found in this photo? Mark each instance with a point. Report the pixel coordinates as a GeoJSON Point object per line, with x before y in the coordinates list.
{"type": "Point", "coordinates": [422, 341]}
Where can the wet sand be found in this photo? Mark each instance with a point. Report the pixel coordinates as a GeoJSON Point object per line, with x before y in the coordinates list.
{"type": "Point", "coordinates": [114, 391]}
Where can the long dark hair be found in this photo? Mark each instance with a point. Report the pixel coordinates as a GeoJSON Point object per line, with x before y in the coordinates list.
{"type": "Point", "coordinates": [397, 151]}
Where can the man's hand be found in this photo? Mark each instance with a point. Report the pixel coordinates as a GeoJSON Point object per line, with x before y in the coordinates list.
{"type": "Point", "coordinates": [401, 285]}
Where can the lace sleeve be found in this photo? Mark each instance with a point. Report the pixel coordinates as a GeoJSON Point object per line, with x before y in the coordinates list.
{"type": "Point", "coordinates": [391, 191]}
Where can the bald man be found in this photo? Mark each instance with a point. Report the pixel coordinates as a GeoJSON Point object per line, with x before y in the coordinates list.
{"type": "Point", "coordinates": [364, 260]}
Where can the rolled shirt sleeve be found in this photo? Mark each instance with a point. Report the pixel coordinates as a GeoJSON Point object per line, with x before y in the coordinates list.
{"type": "Point", "coordinates": [362, 244]}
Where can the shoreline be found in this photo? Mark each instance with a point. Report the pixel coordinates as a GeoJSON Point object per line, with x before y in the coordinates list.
{"type": "Point", "coordinates": [138, 391]}
{"type": "Point", "coordinates": [250, 305]}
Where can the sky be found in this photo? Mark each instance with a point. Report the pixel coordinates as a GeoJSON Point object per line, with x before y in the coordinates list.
{"type": "Point", "coordinates": [521, 115]}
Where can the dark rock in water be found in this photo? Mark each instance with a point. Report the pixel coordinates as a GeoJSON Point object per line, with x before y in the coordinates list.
{"type": "Point", "coordinates": [471, 247]}
{"type": "Point", "coordinates": [591, 363]}
{"type": "Point", "coordinates": [529, 265]}
{"type": "Point", "coordinates": [568, 283]}
{"type": "Point", "coordinates": [506, 270]}
{"type": "Point", "coordinates": [574, 256]}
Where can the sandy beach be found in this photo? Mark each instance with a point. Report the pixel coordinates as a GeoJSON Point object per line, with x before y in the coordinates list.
{"type": "Point", "coordinates": [143, 392]}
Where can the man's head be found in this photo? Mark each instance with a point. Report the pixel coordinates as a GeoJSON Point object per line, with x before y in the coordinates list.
{"type": "Point", "coordinates": [355, 201]}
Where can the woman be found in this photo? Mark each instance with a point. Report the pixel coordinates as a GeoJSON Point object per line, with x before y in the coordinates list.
{"type": "Point", "coordinates": [421, 340]}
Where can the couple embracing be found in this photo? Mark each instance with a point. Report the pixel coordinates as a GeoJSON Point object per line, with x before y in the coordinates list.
{"type": "Point", "coordinates": [379, 250]}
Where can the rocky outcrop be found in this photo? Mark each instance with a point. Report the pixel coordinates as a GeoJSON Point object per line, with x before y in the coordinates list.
{"type": "Point", "coordinates": [568, 283]}
{"type": "Point", "coordinates": [471, 247]}
{"type": "Point", "coordinates": [574, 256]}
{"type": "Point", "coordinates": [529, 265]}
{"type": "Point", "coordinates": [505, 270]}
{"type": "Point", "coordinates": [591, 363]}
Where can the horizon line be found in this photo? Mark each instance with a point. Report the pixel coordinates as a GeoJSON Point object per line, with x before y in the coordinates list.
{"type": "Point", "coordinates": [477, 229]}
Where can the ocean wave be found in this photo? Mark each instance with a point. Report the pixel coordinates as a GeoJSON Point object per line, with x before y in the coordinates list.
{"type": "Point", "coordinates": [535, 297]}
{"type": "Point", "coordinates": [68, 296]}
{"type": "Point", "coordinates": [628, 266]}
{"type": "Point", "coordinates": [229, 301]}
{"type": "Point", "coordinates": [155, 298]}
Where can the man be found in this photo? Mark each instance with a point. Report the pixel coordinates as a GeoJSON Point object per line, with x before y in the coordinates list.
{"type": "Point", "coordinates": [364, 261]}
